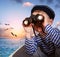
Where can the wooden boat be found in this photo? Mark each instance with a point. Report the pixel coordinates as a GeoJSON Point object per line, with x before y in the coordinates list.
{"type": "Point", "coordinates": [20, 52]}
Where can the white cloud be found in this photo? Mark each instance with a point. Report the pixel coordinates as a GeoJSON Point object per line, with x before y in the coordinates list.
{"type": "Point", "coordinates": [58, 23]}
{"type": "Point", "coordinates": [27, 4]}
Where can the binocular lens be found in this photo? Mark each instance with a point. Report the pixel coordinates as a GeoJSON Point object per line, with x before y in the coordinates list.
{"type": "Point", "coordinates": [33, 19]}
{"type": "Point", "coordinates": [40, 17]}
{"type": "Point", "coordinates": [25, 22]}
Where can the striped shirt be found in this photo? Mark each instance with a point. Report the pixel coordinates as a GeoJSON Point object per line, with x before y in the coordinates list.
{"type": "Point", "coordinates": [47, 44]}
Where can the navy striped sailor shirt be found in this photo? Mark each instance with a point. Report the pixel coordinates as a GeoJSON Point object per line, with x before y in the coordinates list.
{"type": "Point", "coordinates": [47, 44]}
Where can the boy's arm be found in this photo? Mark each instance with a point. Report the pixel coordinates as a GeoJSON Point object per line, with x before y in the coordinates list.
{"type": "Point", "coordinates": [55, 36]}
{"type": "Point", "coordinates": [31, 45]}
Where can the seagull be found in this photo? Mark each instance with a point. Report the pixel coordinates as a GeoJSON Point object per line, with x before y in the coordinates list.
{"type": "Point", "coordinates": [7, 24]}
{"type": "Point", "coordinates": [13, 34]}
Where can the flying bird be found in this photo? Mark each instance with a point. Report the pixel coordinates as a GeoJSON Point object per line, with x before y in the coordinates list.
{"type": "Point", "coordinates": [13, 34]}
{"type": "Point", "coordinates": [6, 29]}
{"type": "Point", "coordinates": [7, 24]}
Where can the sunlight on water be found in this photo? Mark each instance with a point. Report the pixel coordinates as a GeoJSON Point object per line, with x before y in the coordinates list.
{"type": "Point", "coordinates": [8, 46]}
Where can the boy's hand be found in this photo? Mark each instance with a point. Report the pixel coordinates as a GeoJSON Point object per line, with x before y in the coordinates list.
{"type": "Point", "coordinates": [29, 31]}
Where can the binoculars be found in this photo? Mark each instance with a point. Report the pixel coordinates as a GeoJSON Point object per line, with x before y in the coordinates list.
{"type": "Point", "coordinates": [35, 19]}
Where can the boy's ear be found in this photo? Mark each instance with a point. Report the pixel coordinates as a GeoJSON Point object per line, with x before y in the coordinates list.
{"type": "Point", "coordinates": [51, 20]}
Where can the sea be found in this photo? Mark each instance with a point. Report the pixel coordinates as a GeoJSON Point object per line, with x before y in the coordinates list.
{"type": "Point", "coordinates": [9, 45]}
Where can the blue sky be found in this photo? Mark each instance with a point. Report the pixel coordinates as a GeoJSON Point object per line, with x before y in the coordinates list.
{"type": "Point", "coordinates": [14, 8]}
{"type": "Point", "coordinates": [13, 12]}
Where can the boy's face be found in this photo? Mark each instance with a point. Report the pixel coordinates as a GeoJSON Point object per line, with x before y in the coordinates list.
{"type": "Point", "coordinates": [46, 18]}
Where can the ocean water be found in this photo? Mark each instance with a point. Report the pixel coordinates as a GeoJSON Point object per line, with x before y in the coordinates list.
{"type": "Point", "coordinates": [8, 46]}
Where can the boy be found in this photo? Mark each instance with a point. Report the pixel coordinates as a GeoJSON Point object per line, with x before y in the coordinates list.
{"type": "Point", "coordinates": [47, 41]}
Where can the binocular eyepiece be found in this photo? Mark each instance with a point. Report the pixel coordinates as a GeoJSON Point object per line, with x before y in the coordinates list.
{"type": "Point", "coordinates": [33, 19]}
